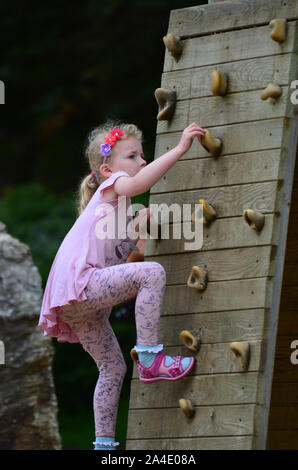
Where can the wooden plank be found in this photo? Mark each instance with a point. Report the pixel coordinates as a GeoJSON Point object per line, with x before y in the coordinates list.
{"type": "Point", "coordinates": [228, 201]}
{"type": "Point", "coordinates": [237, 138]}
{"type": "Point", "coordinates": [283, 440]}
{"type": "Point", "coordinates": [219, 296]}
{"type": "Point", "coordinates": [292, 249]}
{"type": "Point", "coordinates": [221, 235]}
{"type": "Point", "coordinates": [284, 417]}
{"type": "Point", "coordinates": [216, 327]}
{"type": "Point", "coordinates": [231, 46]}
{"type": "Point", "coordinates": [288, 322]}
{"type": "Point", "coordinates": [284, 370]}
{"type": "Point", "coordinates": [214, 358]}
{"type": "Point", "coordinates": [204, 443]}
{"type": "Point", "coordinates": [215, 421]}
{"type": "Point", "coordinates": [251, 262]}
{"type": "Point", "coordinates": [231, 109]}
{"type": "Point", "coordinates": [209, 172]}
{"type": "Point", "coordinates": [289, 300]}
{"type": "Point", "coordinates": [204, 19]}
{"type": "Point", "coordinates": [290, 276]}
{"type": "Point", "coordinates": [244, 75]}
{"type": "Point", "coordinates": [286, 392]}
{"type": "Point", "coordinates": [237, 233]}
{"type": "Point", "coordinates": [202, 390]}
{"type": "Point", "coordinates": [283, 346]}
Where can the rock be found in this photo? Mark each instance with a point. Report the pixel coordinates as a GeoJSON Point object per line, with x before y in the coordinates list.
{"type": "Point", "coordinates": [28, 411]}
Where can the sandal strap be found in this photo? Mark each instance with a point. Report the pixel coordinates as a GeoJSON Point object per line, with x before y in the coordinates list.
{"type": "Point", "coordinates": [151, 371]}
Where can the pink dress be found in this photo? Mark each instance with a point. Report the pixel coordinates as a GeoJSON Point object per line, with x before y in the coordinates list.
{"type": "Point", "coordinates": [80, 254]}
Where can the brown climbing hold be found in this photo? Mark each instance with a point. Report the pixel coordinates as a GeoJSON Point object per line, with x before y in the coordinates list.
{"type": "Point", "coordinates": [189, 340]}
{"type": "Point", "coordinates": [272, 91]}
{"type": "Point", "coordinates": [219, 83]}
{"type": "Point", "coordinates": [187, 407]}
{"type": "Point", "coordinates": [211, 144]}
{"type": "Point", "coordinates": [242, 351]}
{"type": "Point", "coordinates": [209, 213]}
{"type": "Point", "coordinates": [174, 45]}
{"type": "Point", "coordinates": [166, 100]}
{"type": "Point", "coordinates": [279, 31]}
{"type": "Point", "coordinates": [255, 219]}
{"type": "Point", "coordinates": [198, 278]}
{"type": "Point", "coordinates": [134, 355]}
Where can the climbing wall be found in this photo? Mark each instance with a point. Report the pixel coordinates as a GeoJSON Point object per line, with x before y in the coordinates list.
{"type": "Point", "coordinates": [231, 53]}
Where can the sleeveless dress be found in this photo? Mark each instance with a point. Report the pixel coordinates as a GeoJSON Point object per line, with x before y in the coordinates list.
{"type": "Point", "coordinates": [82, 252]}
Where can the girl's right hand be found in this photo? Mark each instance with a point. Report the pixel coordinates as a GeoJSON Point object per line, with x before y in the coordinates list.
{"type": "Point", "coordinates": [188, 136]}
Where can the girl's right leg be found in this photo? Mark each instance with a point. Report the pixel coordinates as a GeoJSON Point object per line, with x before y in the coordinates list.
{"type": "Point", "coordinates": [145, 281]}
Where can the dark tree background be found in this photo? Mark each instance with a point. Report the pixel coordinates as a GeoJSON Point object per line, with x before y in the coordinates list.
{"type": "Point", "coordinates": [67, 66]}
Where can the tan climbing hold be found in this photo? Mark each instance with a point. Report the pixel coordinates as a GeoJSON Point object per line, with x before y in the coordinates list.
{"type": "Point", "coordinates": [279, 31]}
{"type": "Point", "coordinates": [242, 351]}
{"type": "Point", "coordinates": [219, 83]}
{"type": "Point", "coordinates": [187, 407]}
{"type": "Point", "coordinates": [211, 144]}
{"type": "Point", "coordinates": [198, 278]}
{"type": "Point", "coordinates": [254, 219]}
{"type": "Point", "coordinates": [209, 213]}
{"type": "Point", "coordinates": [134, 355]}
{"type": "Point", "coordinates": [174, 45]}
{"type": "Point", "coordinates": [166, 100]}
{"type": "Point", "coordinates": [189, 340]}
{"type": "Point", "coordinates": [272, 91]}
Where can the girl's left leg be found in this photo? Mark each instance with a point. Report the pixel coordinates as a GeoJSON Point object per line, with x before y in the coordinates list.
{"type": "Point", "coordinates": [98, 339]}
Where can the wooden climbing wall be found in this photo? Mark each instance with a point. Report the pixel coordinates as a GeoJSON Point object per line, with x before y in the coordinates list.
{"type": "Point", "coordinates": [254, 171]}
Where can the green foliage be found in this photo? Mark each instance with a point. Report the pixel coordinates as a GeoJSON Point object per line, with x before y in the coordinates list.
{"type": "Point", "coordinates": [38, 218]}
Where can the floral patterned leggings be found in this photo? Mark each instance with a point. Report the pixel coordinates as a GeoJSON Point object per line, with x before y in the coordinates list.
{"type": "Point", "coordinates": [89, 320]}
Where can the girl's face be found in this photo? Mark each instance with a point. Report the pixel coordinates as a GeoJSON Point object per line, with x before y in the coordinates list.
{"type": "Point", "coordinates": [128, 156]}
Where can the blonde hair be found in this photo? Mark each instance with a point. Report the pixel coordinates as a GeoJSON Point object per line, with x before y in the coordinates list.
{"type": "Point", "coordinates": [88, 184]}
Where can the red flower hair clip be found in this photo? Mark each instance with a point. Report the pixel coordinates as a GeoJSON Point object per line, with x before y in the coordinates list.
{"type": "Point", "coordinates": [110, 140]}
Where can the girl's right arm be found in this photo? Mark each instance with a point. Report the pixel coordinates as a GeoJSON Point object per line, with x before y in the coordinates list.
{"type": "Point", "coordinates": [150, 174]}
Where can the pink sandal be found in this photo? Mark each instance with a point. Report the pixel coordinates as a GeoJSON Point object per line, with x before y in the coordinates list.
{"type": "Point", "coordinates": [159, 371]}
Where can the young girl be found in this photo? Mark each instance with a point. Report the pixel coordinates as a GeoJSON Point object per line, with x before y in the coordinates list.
{"type": "Point", "coordinates": [89, 275]}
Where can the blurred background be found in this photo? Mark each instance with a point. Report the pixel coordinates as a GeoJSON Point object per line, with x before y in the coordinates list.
{"type": "Point", "coordinates": [67, 67]}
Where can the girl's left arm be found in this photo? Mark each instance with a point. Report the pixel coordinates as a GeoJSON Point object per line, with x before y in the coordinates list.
{"type": "Point", "coordinates": [137, 256]}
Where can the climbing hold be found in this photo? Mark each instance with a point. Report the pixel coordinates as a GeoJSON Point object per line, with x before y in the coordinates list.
{"type": "Point", "coordinates": [279, 31]}
{"type": "Point", "coordinates": [198, 278]}
{"type": "Point", "coordinates": [272, 91]}
{"type": "Point", "coordinates": [211, 144]}
{"type": "Point", "coordinates": [187, 407]}
{"type": "Point", "coordinates": [209, 213]}
{"type": "Point", "coordinates": [174, 45]}
{"type": "Point", "coordinates": [189, 340]}
{"type": "Point", "coordinates": [255, 219]}
{"type": "Point", "coordinates": [166, 100]}
{"type": "Point", "coordinates": [154, 228]}
{"type": "Point", "coordinates": [134, 355]}
{"type": "Point", "coordinates": [242, 351]}
{"type": "Point", "coordinates": [219, 83]}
